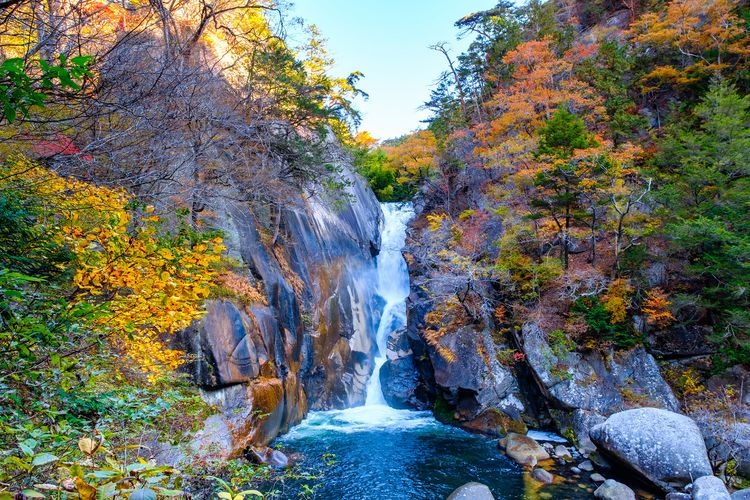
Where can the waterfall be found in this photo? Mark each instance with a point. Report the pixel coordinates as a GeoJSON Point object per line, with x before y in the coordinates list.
{"type": "Point", "coordinates": [392, 287]}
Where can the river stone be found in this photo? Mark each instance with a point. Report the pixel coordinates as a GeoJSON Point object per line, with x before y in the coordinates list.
{"type": "Point", "coordinates": [598, 478]}
{"type": "Point", "coordinates": [523, 449]}
{"type": "Point", "coordinates": [741, 495]}
{"type": "Point", "coordinates": [269, 456]}
{"type": "Point", "coordinates": [709, 488]}
{"type": "Point", "coordinates": [542, 476]}
{"type": "Point", "coordinates": [586, 465]}
{"type": "Point", "coordinates": [612, 490]}
{"type": "Point", "coordinates": [472, 491]}
{"type": "Point", "coordinates": [494, 422]}
{"type": "Point", "coordinates": [562, 452]}
{"type": "Point", "coordinates": [674, 495]}
{"type": "Point", "coordinates": [664, 447]}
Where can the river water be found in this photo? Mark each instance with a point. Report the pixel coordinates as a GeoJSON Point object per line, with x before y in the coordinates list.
{"type": "Point", "coordinates": [377, 452]}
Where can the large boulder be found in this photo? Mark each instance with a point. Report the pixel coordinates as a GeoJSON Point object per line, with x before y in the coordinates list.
{"type": "Point", "coordinates": [472, 491]}
{"type": "Point", "coordinates": [523, 449]}
{"type": "Point", "coordinates": [594, 382]}
{"type": "Point", "coordinates": [664, 447]}
{"type": "Point", "coordinates": [709, 488]}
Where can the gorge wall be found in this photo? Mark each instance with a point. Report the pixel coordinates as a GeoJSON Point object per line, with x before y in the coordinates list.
{"type": "Point", "coordinates": [306, 342]}
{"type": "Point", "coordinates": [478, 374]}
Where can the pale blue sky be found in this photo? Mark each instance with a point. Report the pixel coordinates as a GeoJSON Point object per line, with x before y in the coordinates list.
{"type": "Point", "coordinates": [388, 41]}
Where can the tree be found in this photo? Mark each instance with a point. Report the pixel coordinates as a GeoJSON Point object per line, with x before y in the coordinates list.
{"type": "Point", "coordinates": [706, 175]}
{"type": "Point", "coordinates": [22, 86]}
{"type": "Point", "coordinates": [117, 275]}
{"type": "Point", "coordinates": [414, 158]}
{"type": "Point", "coordinates": [559, 181]}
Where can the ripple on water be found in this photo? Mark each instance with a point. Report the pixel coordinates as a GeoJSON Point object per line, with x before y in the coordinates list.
{"type": "Point", "coordinates": [383, 453]}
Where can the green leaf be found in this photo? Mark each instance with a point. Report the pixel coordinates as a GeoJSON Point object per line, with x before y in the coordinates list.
{"type": "Point", "coordinates": [76, 471]}
{"type": "Point", "coordinates": [44, 459]}
{"type": "Point", "coordinates": [136, 467]}
{"type": "Point", "coordinates": [221, 482]}
{"type": "Point", "coordinates": [32, 494]}
{"type": "Point", "coordinates": [107, 490]}
{"type": "Point", "coordinates": [10, 113]}
{"type": "Point", "coordinates": [143, 494]}
{"type": "Point", "coordinates": [27, 446]}
{"type": "Point", "coordinates": [105, 474]}
{"type": "Point", "coordinates": [245, 493]}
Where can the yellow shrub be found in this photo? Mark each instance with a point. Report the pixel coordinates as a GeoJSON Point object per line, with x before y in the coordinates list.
{"type": "Point", "coordinates": [144, 282]}
{"type": "Point", "coordinates": [616, 300]}
{"type": "Point", "coordinates": [656, 306]}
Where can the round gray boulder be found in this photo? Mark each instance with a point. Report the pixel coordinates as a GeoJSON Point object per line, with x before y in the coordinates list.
{"type": "Point", "coordinates": [472, 491]}
{"type": "Point", "coordinates": [666, 448]}
{"type": "Point", "coordinates": [710, 488]}
{"type": "Point", "coordinates": [542, 476]}
{"type": "Point", "coordinates": [612, 490]}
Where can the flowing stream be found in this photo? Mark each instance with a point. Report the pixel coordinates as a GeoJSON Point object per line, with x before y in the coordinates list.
{"type": "Point", "coordinates": [377, 452]}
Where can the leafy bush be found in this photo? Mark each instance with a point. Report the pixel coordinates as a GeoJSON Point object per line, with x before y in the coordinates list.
{"type": "Point", "coordinates": [598, 321]}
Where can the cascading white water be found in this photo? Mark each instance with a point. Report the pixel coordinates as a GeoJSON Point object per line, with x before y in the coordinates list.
{"type": "Point", "coordinates": [392, 286]}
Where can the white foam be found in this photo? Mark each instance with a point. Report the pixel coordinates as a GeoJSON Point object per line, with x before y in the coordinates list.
{"type": "Point", "coordinates": [361, 419]}
{"type": "Point", "coordinates": [549, 437]}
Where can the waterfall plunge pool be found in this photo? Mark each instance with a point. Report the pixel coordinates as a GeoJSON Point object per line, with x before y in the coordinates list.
{"type": "Point", "coordinates": [377, 452]}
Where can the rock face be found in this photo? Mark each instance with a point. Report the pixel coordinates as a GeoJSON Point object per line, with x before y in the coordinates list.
{"type": "Point", "coordinates": [309, 332]}
{"type": "Point", "coordinates": [582, 389]}
{"type": "Point", "coordinates": [709, 488]}
{"type": "Point", "coordinates": [665, 448]}
{"type": "Point", "coordinates": [475, 380]}
{"type": "Point", "coordinates": [251, 414]}
{"type": "Point", "coordinates": [400, 382]}
{"type": "Point", "coordinates": [472, 491]}
{"type": "Point", "coordinates": [483, 395]}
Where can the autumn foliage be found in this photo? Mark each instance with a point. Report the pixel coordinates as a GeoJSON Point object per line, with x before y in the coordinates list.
{"type": "Point", "coordinates": [657, 308]}
{"type": "Point", "coordinates": [141, 281]}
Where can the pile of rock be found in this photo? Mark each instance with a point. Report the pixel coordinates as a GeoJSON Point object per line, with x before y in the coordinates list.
{"type": "Point", "coordinates": [660, 447]}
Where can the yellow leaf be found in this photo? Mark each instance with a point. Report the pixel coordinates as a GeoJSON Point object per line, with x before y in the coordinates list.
{"type": "Point", "coordinates": [85, 491]}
